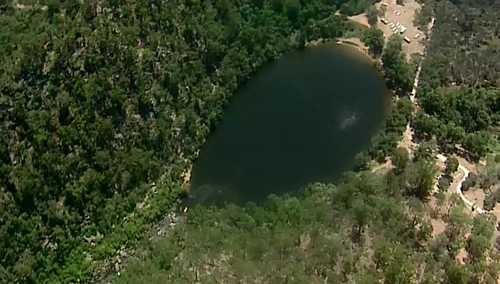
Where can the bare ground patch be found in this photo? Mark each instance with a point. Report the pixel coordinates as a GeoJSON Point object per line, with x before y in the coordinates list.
{"type": "Point", "coordinates": [476, 196]}
{"type": "Point", "coordinates": [383, 168]}
{"type": "Point", "coordinates": [407, 141]}
{"type": "Point", "coordinates": [360, 19]}
{"type": "Point", "coordinates": [404, 15]}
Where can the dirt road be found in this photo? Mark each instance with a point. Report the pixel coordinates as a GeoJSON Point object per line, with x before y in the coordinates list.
{"type": "Point", "coordinates": [456, 187]}
{"type": "Point", "coordinates": [407, 141]}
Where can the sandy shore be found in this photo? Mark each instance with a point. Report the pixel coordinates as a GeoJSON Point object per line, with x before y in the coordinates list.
{"type": "Point", "coordinates": [355, 43]}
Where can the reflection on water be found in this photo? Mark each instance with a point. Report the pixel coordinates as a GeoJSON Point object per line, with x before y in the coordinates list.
{"type": "Point", "coordinates": [348, 118]}
{"type": "Point", "coordinates": [210, 194]}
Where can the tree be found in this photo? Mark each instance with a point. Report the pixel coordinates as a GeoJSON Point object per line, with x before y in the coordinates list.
{"type": "Point", "coordinates": [489, 175]}
{"type": "Point", "coordinates": [478, 143]}
{"type": "Point", "coordinates": [400, 159]}
{"type": "Point", "coordinates": [425, 126]}
{"type": "Point", "coordinates": [395, 67]}
{"type": "Point", "coordinates": [458, 223]}
{"type": "Point", "coordinates": [405, 107]}
{"type": "Point", "coordinates": [395, 263]}
{"type": "Point", "coordinates": [470, 181]}
{"type": "Point", "coordinates": [456, 274]}
{"type": "Point", "coordinates": [426, 151]}
{"type": "Point", "coordinates": [361, 213]}
{"type": "Point", "coordinates": [362, 161]}
{"type": "Point", "coordinates": [481, 238]}
{"type": "Point", "coordinates": [449, 135]}
{"type": "Point", "coordinates": [451, 165]}
{"type": "Point", "coordinates": [419, 178]}
{"type": "Point", "coordinates": [23, 269]}
{"type": "Point", "coordinates": [372, 15]}
{"type": "Point", "coordinates": [383, 10]}
{"type": "Point", "coordinates": [444, 183]}
{"type": "Point", "coordinates": [373, 38]}
{"type": "Point", "coordinates": [423, 17]}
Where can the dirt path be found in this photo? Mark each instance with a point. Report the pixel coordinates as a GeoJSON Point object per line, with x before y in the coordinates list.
{"type": "Point", "coordinates": [383, 167]}
{"type": "Point", "coordinates": [407, 141]}
{"type": "Point", "coordinates": [456, 187]}
{"type": "Point", "coordinates": [360, 19]}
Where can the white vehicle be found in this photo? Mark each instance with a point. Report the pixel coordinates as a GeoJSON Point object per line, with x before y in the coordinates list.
{"type": "Point", "coordinates": [396, 11]}
{"type": "Point", "coordinates": [403, 29]}
{"type": "Point", "coordinates": [398, 24]}
{"type": "Point", "coordinates": [392, 25]}
{"type": "Point", "coordinates": [384, 21]}
{"type": "Point", "coordinates": [417, 35]}
{"type": "Point", "coordinates": [407, 39]}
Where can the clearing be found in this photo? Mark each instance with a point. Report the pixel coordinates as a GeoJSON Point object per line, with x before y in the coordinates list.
{"type": "Point", "coordinates": [402, 15]}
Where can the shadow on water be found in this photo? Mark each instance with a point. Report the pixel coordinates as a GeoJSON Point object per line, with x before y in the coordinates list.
{"type": "Point", "coordinates": [301, 120]}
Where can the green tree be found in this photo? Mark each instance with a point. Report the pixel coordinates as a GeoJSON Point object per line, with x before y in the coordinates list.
{"type": "Point", "coordinates": [361, 212]}
{"type": "Point", "coordinates": [400, 159]}
{"type": "Point", "coordinates": [449, 135]}
{"type": "Point", "coordinates": [373, 38]}
{"type": "Point", "coordinates": [423, 17]}
{"type": "Point", "coordinates": [425, 126]}
{"type": "Point", "coordinates": [444, 183]}
{"type": "Point", "coordinates": [395, 67]}
{"type": "Point", "coordinates": [419, 178]}
{"type": "Point", "coordinates": [23, 269]}
{"type": "Point", "coordinates": [456, 274]}
{"type": "Point", "coordinates": [451, 165]}
{"type": "Point", "coordinates": [478, 143]}
{"type": "Point", "coordinates": [427, 150]}
{"type": "Point", "coordinates": [372, 15]}
{"type": "Point", "coordinates": [481, 239]}
{"type": "Point", "coordinates": [458, 223]}
{"type": "Point", "coordinates": [405, 107]}
{"type": "Point", "coordinates": [395, 263]}
{"type": "Point", "coordinates": [362, 161]}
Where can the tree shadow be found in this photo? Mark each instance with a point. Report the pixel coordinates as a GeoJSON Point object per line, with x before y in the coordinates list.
{"type": "Point", "coordinates": [465, 154]}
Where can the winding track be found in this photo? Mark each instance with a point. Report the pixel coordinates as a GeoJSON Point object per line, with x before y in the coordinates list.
{"type": "Point", "coordinates": [458, 189]}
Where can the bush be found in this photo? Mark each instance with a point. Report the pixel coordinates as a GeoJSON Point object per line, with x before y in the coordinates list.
{"type": "Point", "coordinates": [444, 183]}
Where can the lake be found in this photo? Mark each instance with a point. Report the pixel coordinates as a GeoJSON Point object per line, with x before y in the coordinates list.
{"type": "Point", "coordinates": [302, 119]}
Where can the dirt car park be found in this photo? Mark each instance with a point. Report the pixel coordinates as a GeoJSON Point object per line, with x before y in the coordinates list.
{"type": "Point", "coordinates": [399, 18]}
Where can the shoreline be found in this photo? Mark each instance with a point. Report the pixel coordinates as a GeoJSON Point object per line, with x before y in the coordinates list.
{"type": "Point", "coordinates": [356, 44]}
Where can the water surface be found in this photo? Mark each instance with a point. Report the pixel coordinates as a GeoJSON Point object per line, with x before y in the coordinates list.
{"type": "Point", "coordinates": [300, 120]}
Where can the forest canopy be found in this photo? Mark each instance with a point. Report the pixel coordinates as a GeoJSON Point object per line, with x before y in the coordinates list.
{"type": "Point", "coordinates": [104, 106]}
{"type": "Point", "coordinates": [458, 89]}
{"type": "Point", "coordinates": [369, 228]}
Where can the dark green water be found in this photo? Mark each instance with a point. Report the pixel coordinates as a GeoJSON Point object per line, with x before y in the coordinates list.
{"type": "Point", "coordinates": [300, 120]}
